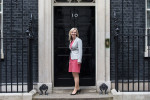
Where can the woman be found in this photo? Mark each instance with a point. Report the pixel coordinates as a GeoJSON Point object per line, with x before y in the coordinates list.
{"type": "Point", "coordinates": [75, 57]}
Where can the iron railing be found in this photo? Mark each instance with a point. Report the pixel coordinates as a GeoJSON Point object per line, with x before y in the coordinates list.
{"type": "Point", "coordinates": [16, 66]}
{"type": "Point", "coordinates": [132, 66]}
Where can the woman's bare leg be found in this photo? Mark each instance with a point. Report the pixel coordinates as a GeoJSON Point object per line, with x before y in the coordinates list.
{"type": "Point", "coordinates": [76, 80]}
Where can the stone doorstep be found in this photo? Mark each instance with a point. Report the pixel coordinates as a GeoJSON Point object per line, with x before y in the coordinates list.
{"type": "Point", "coordinates": [68, 90]}
{"type": "Point", "coordinates": [66, 96]}
{"type": "Point", "coordinates": [63, 93]}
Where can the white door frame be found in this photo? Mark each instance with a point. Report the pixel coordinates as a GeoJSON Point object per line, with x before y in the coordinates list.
{"type": "Point", "coordinates": [46, 44]}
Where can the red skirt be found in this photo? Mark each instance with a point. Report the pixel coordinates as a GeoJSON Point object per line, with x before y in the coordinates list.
{"type": "Point", "coordinates": [74, 66]}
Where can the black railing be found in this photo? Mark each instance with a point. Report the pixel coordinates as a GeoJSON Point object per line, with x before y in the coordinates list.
{"type": "Point", "coordinates": [132, 61]}
{"type": "Point", "coordinates": [16, 65]}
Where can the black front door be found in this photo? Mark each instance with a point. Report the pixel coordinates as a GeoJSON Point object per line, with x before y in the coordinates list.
{"type": "Point", "coordinates": [82, 18]}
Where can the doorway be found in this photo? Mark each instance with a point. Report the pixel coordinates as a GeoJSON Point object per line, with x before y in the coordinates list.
{"type": "Point", "coordinates": [83, 18]}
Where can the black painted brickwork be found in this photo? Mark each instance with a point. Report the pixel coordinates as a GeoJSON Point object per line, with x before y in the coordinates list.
{"type": "Point", "coordinates": [15, 22]}
{"type": "Point", "coordinates": [131, 21]}
{"type": "Point", "coordinates": [130, 17]}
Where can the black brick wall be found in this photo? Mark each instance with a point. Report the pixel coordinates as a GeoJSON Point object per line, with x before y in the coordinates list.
{"type": "Point", "coordinates": [15, 22]}
{"type": "Point", "coordinates": [131, 16]}
{"type": "Point", "coordinates": [131, 21]}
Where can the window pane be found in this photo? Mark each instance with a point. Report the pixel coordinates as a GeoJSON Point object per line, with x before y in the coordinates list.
{"type": "Point", "coordinates": [74, 0]}
{"type": "Point", "coordinates": [0, 22]}
{"type": "Point", "coordinates": [148, 4]}
{"type": "Point", "coordinates": [87, 0]}
{"type": "Point", "coordinates": [82, 0]}
{"type": "Point", "coordinates": [61, 0]}
{"type": "Point", "coordinates": [0, 7]}
{"type": "Point", "coordinates": [148, 19]}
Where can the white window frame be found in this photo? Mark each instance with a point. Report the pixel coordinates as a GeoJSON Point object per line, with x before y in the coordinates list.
{"type": "Point", "coordinates": [146, 28]}
{"type": "Point", "coordinates": [1, 12]}
{"type": "Point", "coordinates": [72, 3]}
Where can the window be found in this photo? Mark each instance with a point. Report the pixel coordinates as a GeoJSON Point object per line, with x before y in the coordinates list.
{"type": "Point", "coordinates": [74, 1]}
{"type": "Point", "coordinates": [1, 28]}
{"type": "Point", "coordinates": [148, 14]}
{"type": "Point", "coordinates": [147, 21]}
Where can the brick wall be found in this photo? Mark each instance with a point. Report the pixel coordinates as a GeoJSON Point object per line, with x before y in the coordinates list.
{"type": "Point", "coordinates": [131, 16]}
{"type": "Point", "coordinates": [131, 21]}
{"type": "Point", "coordinates": [15, 22]}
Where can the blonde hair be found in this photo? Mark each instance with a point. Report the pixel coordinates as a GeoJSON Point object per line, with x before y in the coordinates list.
{"type": "Point", "coordinates": [70, 38]}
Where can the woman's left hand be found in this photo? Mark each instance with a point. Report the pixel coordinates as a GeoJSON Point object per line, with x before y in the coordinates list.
{"type": "Point", "coordinates": [79, 63]}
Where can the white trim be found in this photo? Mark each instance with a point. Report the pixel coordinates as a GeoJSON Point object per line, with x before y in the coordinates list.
{"type": "Point", "coordinates": [96, 31]}
{"type": "Point", "coordinates": [146, 46]}
{"type": "Point", "coordinates": [2, 50]}
{"type": "Point", "coordinates": [130, 95]}
{"type": "Point", "coordinates": [18, 96]}
{"type": "Point", "coordinates": [46, 42]}
{"type": "Point", "coordinates": [73, 4]}
{"type": "Point", "coordinates": [52, 44]}
{"type": "Point", "coordinates": [107, 36]}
